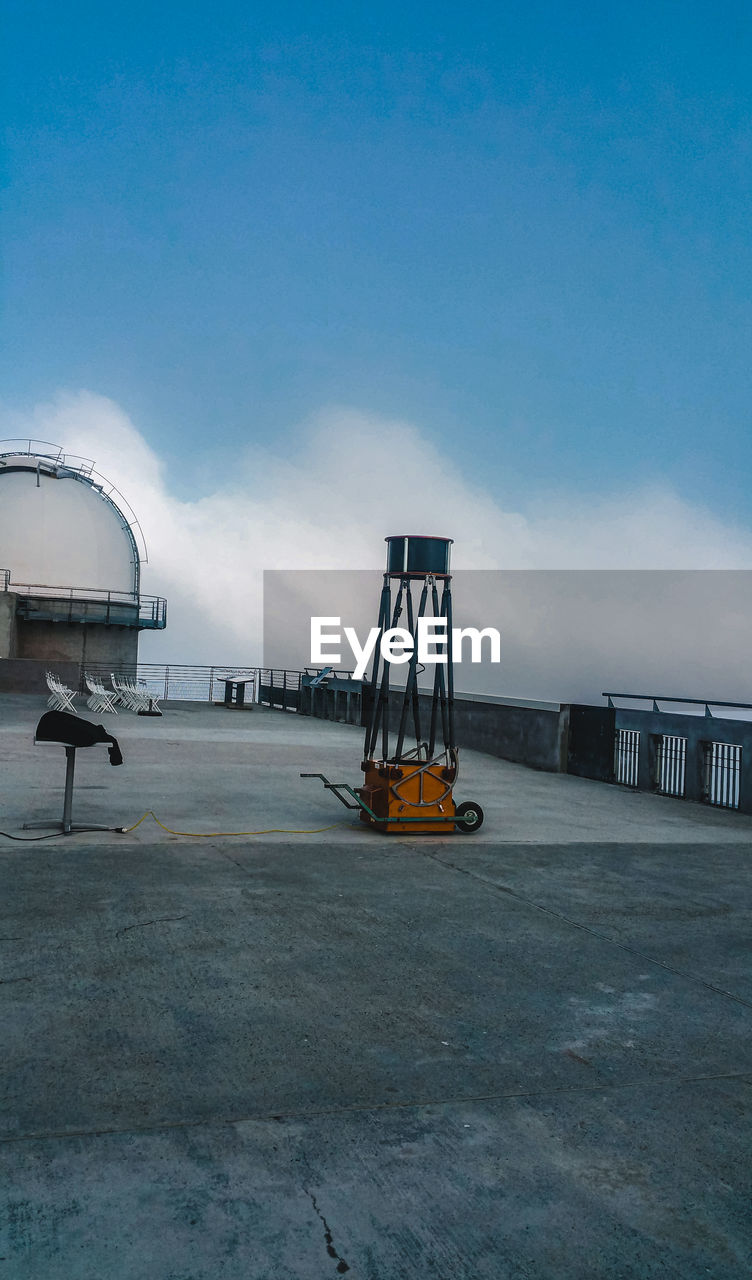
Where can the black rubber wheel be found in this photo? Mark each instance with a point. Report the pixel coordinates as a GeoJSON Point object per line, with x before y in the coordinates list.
{"type": "Point", "coordinates": [468, 817]}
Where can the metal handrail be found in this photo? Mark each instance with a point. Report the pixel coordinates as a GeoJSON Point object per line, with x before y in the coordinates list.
{"type": "Point", "coordinates": [655, 698]}
{"type": "Point", "coordinates": [339, 674]}
{"type": "Point", "coordinates": [184, 681]}
{"type": "Point", "coordinates": [78, 593]}
{"type": "Point", "coordinates": [31, 451]}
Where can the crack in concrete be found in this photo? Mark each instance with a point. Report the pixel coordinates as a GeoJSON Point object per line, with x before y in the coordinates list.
{"type": "Point", "coordinates": [7, 981]}
{"type": "Point", "coordinates": [143, 924]}
{"type": "Point", "coordinates": [342, 1266]}
{"type": "Point", "coordinates": [223, 854]}
{"type": "Point", "coordinates": [595, 933]}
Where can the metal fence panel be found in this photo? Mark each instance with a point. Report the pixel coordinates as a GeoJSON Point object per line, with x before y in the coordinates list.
{"type": "Point", "coordinates": [627, 756]}
{"type": "Point", "coordinates": [671, 762]}
{"type": "Point", "coordinates": [279, 687]}
{"type": "Point", "coordinates": [723, 765]}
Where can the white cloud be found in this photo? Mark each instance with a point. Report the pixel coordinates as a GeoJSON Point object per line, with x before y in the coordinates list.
{"type": "Point", "coordinates": [351, 480]}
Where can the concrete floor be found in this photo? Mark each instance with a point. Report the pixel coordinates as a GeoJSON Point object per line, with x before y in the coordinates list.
{"type": "Point", "coordinates": [522, 1054]}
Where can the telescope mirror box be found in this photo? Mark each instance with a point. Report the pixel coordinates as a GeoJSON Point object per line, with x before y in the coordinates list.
{"type": "Point", "coordinates": [415, 554]}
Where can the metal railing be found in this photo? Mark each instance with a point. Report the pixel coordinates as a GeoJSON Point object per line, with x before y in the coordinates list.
{"type": "Point", "coordinates": [42, 603]}
{"type": "Point", "coordinates": [179, 682]}
{"type": "Point", "coordinates": [655, 698]}
{"type": "Point", "coordinates": [29, 447]}
{"type": "Point", "coordinates": [338, 697]}
{"type": "Point", "coordinates": [279, 687]}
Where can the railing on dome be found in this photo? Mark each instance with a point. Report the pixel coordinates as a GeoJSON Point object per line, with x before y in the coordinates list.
{"type": "Point", "coordinates": [36, 449]}
{"type": "Point", "coordinates": [41, 603]}
{"type": "Point", "coordinates": [83, 468]}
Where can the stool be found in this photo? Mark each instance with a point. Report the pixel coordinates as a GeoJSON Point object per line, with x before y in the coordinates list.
{"type": "Point", "coordinates": [70, 732]}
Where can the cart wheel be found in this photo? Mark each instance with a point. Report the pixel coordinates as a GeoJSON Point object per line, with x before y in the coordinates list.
{"type": "Point", "coordinates": [468, 817]}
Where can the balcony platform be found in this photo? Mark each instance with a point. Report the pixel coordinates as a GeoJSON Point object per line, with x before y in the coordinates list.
{"type": "Point", "coordinates": [107, 608]}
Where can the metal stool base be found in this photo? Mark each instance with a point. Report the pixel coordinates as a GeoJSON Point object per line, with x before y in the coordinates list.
{"type": "Point", "coordinates": [67, 826]}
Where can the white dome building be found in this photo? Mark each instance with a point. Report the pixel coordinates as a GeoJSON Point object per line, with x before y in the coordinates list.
{"type": "Point", "coordinates": [71, 551]}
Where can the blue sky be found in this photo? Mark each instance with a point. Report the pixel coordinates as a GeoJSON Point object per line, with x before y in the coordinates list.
{"type": "Point", "coordinates": [524, 228]}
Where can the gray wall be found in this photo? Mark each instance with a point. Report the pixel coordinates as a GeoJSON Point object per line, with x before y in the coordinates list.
{"type": "Point", "coordinates": [7, 624]}
{"type": "Point", "coordinates": [76, 642]}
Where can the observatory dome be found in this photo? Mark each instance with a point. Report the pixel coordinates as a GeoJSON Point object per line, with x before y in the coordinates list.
{"type": "Point", "coordinates": [62, 526]}
{"type": "Point", "coordinates": [70, 564]}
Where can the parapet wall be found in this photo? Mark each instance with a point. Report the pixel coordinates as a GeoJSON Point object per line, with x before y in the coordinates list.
{"type": "Point", "coordinates": [561, 738]}
{"type": "Point", "coordinates": [531, 733]}
{"type": "Point", "coordinates": [26, 675]}
{"type": "Point", "coordinates": [527, 733]}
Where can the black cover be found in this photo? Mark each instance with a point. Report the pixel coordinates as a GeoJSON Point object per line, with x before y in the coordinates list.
{"type": "Point", "coordinates": [72, 731]}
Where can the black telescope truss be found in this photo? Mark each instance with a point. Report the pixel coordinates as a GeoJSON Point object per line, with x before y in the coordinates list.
{"type": "Point", "coordinates": [410, 788]}
{"type": "Point", "coordinates": [418, 733]}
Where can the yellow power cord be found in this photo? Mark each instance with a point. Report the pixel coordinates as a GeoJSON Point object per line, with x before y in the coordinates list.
{"type": "Point", "coordinates": [205, 835]}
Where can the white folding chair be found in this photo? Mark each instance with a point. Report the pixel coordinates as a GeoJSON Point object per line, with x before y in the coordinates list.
{"type": "Point", "coordinates": [133, 698]}
{"type": "Point", "coordinates": [119, 693]}
{"type": "Point", "coordinates": [61, 697]}
{"type": "Point", "coordinates": [140, 696]}
{"type": "Point", "coordinates": [52, 700]}
{"type": "Point", "coordinates": [99, 699]}
{"type": "Point", "coordinates": [107, 697]}
{"type": "Point", "coordinates": [93, 702]}
{"type": "Point", "coordinates": [125, 696]}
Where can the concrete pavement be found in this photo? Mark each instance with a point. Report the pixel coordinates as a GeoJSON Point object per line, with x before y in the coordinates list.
{"type": "Point", "coordinates": [524, 1053]}
{"type": "Point", "coordinates": [208, 769]}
